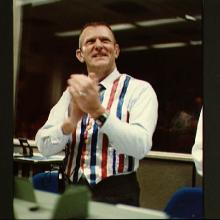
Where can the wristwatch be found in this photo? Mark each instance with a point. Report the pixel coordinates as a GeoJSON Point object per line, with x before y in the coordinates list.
{"type": "Point", "coordinates": [101, 119]}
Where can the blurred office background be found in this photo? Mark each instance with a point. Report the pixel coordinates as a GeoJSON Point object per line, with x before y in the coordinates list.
{"type": "Point", "coordinates": [160, 41]}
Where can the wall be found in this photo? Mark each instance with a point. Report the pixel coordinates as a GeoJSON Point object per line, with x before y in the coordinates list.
{"type": "Point", "coordinates": [160, 178]}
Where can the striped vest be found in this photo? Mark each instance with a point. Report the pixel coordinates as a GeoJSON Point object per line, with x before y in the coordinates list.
{"type": "Point", "coordinates": [95, 158]}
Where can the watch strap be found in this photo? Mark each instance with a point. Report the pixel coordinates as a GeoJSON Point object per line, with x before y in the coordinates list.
{"type": "Point", "coordinates": [101, 119]}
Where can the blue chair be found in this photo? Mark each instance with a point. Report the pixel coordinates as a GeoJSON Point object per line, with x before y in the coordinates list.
{"type": "Point", "coordinates": [186, 203]}
{"type": "Point", "coordinates": [46, 181]}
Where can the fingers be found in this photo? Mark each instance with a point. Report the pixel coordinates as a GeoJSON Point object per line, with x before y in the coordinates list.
{"type": "Point", "coordinates": [81, 84]}
{"type": "Point", "coordinates": [72, 90]}
{"type": "Point", "coordinates": [75, 85]}
{"type": "Point", "coordinates": [94, 77]}
{"type": "Point", "coordinates": [83, 79]}
{"type": "Point", "coordinates": [78, 81]}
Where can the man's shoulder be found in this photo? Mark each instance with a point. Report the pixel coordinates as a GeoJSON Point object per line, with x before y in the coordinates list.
{"type": "Point", "coordinates": [65, 96]}
{"type": "Point", "coordinates": [135, 81]}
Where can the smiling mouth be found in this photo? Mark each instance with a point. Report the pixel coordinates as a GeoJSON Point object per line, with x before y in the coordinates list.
{"type": "Point", "coordinates": [99, 55]}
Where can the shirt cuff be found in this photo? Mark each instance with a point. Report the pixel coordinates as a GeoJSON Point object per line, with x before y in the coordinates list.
{"type": "Point", "coordinates": [56, 134]}
{"type": "Point", "coordinates": [107, 126]}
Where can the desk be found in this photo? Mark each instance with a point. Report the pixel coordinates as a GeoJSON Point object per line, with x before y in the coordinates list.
{"type": "Point", "coordinates": [28, 160]}
{"type": "Point", "coordinates": [97, 210]}
{"type": "Point", "coordinates": [27, 166]}
{"type": "Point", "coordinates": [178, 170]}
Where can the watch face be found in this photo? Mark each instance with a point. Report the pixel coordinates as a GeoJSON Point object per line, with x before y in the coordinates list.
{"type": "Point", "coordinates": [99, 123]}
{"type": "Point", "coordinates": [101, 119]}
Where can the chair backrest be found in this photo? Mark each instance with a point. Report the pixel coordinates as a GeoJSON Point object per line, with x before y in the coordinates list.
{"type": "Point", "coordinates": [73, 203]}
{"type": "Point", "coordinates": [46, 181]}
{"type": "Point", "coordinates": [187, 203]}
{"type": "Point", "coordinates": [23, 189]}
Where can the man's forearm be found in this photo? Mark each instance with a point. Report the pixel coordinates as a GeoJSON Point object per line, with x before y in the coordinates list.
{"type": "Point", "coordinates": [68, 127]}
{"type": "Point", "coordinates": [51, 140]}
{"type": "Point", "coordinates": [132, 140]}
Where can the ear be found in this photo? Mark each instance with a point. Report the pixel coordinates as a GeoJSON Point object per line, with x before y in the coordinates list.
{"type": "Point", "coordinates": [79, 55]}
{"type": "Point", "coordinates": [117, 51]}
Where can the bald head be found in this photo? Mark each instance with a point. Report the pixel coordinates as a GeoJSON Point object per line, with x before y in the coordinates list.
{"type": "Point", "coordinates": [94, 24]}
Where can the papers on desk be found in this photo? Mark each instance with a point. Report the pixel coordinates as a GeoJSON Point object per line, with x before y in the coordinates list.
{"type": "Point", "coordinates": [37, 157]}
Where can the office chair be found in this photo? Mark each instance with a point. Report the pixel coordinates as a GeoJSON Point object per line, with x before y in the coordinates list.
{"type": "Point", "coordinates": [186, 203]}
{"type": "Point", "coordinates": [46, 181]}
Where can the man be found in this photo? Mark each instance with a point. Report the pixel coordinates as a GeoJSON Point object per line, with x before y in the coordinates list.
{"type": "Point", "coordinates": [105, 133]}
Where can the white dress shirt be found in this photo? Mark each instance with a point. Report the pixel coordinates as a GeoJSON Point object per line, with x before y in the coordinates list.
{"type": "Point", "coordinates": [197, 149]}
{"type": "Point", "coordinates": [117, 146]}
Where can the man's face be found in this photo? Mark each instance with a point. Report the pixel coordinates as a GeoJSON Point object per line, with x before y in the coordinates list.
{"type": "Point", "coordinates": [98, 48]}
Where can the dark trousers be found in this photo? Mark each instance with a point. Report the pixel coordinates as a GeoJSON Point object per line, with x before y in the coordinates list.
{"type": "Point", "coordinates": [122, 189]}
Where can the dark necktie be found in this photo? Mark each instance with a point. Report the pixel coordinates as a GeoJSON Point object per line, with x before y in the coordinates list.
{"type": "Point", "coordinates": [101, 88]}
{"type": "Point", "coordinates": [101, 91]}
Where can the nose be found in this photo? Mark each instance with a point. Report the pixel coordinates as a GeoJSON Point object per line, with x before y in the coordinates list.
{"type": "Point", "coordinates": [98, 43]}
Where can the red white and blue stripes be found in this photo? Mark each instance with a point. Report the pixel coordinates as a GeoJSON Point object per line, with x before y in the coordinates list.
{"type": "Point", "coordinates": [97, 158]}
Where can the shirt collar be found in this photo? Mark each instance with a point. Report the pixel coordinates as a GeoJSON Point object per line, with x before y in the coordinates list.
{"type": "Point", "coordinates": [107, 82]}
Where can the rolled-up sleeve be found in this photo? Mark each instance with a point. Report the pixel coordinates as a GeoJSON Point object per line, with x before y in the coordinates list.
{"type": "Point", "coordinates": [197, 149]}
{"type": "Point", "coordinates": [50, 138]}
{"type": "Point", "coordinates": [135, 138]}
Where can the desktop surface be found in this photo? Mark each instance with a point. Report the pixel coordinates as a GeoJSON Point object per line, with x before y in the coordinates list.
{"type": "Point", "coordinates": [44, 208]}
